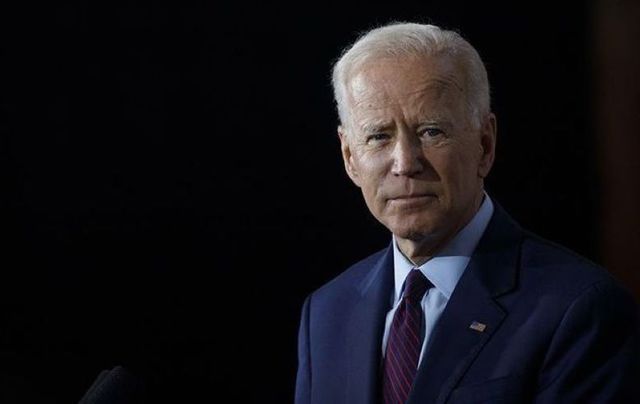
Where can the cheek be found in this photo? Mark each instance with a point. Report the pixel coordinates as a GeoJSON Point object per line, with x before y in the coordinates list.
{"type": "Point", "coordinates": [456, 169]}
{"type": "Point", "coordinates": [370, 166]}
{"type": "Point", "coordinates": [371, 174]}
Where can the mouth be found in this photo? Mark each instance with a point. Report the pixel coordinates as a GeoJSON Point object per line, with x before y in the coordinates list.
{"type": "Point", "coordinates": [412, 200]}
{"type": "Point", "coordinates": [412, 196]}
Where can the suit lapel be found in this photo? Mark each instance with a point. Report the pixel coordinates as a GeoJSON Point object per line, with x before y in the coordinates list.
{"type": "Point", "coordinates": [454, 345]}
{"type": "Point", "coordinates": [365, 331]}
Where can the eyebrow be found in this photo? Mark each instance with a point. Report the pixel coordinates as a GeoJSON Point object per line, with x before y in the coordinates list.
{"type": "Point", "coordinates": [434, 121]}
{"type": "Point", "coordinates": [375, 126]}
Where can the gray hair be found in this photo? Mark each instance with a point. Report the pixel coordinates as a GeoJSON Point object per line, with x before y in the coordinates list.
{"type": "Point", "coordinates": [409, 39]}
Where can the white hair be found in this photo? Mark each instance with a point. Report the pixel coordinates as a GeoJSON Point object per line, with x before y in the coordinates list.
{"type": "Point", "coordinates": [409, 39]}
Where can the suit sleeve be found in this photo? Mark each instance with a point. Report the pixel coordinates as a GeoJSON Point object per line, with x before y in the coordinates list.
{"type": "Point", "coordinates": [594, 355]}
{"type": "Point", "coordinates": [303, 379]}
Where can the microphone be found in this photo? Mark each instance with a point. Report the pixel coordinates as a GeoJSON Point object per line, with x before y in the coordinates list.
{"type": "Point", "coordinates": [115, 386]}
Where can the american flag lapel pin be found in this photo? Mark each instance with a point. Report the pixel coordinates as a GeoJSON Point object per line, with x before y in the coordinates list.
{"type": "Point", "coordinates": [477, 326]}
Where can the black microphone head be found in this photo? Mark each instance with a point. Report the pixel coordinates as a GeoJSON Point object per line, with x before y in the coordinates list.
{"type": "Point", "coordinates": [115, 386]}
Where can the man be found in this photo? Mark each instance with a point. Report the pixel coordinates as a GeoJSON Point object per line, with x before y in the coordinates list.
{"type": "Point", "coordinates": [464, 305]}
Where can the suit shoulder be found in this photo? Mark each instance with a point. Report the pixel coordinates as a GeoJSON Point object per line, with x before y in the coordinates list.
{"type": "Point", "coordinates": [560, 264]}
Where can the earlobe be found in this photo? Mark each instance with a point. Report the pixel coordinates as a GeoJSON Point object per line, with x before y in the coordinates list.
{"type": "Point", "coordinates": [347, 156]}
{"type": "Point", "coordinates": [487, 145]}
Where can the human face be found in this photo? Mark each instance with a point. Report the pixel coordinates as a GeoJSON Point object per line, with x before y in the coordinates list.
{"type": "Point", "coordinates": [411, 146]}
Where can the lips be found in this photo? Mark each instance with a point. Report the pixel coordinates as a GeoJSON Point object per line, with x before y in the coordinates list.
{"type": "Point", "coordinates": [412, 196]}
{"type": "Point", "coordinates": [412, 201]}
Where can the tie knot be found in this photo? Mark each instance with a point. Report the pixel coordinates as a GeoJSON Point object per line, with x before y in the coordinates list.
{"type": "Point", "coordinates": [415, 286]}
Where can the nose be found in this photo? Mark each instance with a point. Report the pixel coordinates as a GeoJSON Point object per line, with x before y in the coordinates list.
{"type": "Point", "coordinates": [408, 159]}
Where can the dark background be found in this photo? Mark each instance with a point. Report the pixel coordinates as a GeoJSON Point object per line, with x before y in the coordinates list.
{"type": "Point", "coordinates": [173, 187]}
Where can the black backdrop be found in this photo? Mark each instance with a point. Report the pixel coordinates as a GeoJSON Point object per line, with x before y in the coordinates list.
{"type": "Point", "coordinates": [173, 188]}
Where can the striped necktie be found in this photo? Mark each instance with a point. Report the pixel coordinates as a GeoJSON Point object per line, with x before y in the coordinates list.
{"type": "Point", "coordinates": [405, 341]}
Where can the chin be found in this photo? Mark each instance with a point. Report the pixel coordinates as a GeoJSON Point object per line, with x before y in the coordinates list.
{"type": "Point", "coordinates": [416, 231]}
{"type": "Point", "coordinates": [416, 236]}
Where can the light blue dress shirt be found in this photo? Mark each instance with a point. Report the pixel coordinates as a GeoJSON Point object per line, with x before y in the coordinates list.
{"type": "Point", "coordinates": [443, 270]}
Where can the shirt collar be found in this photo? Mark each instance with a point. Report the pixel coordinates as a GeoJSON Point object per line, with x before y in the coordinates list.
{"type": "Point", "coordinates": [446, 267]}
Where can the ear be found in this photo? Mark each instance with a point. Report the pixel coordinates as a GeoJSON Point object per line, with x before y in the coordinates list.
{"type": "Point", "coordinates": [487, 144]}
{"type": "Point", "coordinates": [347, 156]}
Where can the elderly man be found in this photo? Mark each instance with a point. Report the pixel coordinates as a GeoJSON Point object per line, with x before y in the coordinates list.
{"type": "Point", "coordinates": [464, 306]}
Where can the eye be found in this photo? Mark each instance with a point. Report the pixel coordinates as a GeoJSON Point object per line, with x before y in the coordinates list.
{"type": "Point", "coordinates": [432, 132]}
{"type": "Point", "coordinates": [377, 137]}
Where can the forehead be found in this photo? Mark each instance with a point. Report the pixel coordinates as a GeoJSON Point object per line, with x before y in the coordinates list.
{"type": "Point", "coordinates": [415, 82]}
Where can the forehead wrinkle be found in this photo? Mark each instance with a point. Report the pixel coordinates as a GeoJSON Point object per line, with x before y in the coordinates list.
{"type": "Point", "coordinates": [375, 91]}
{"type": "Point", "coordinates": [436, 87]}
{"type": "Point", "coordinates": [364, 96]}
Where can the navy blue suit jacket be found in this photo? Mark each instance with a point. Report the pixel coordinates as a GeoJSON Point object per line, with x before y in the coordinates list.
{"type": "Point", "coordinates": [559, 329]}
